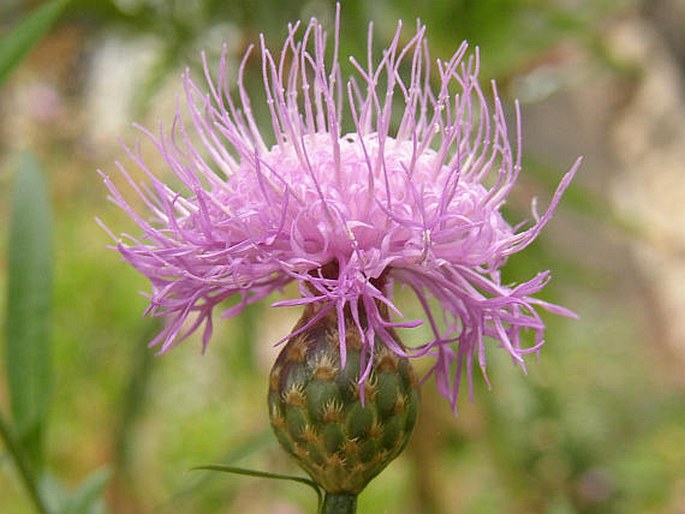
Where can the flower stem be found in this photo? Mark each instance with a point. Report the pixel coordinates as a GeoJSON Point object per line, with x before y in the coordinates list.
{"type": "Point", "coordinates": [339, 504]}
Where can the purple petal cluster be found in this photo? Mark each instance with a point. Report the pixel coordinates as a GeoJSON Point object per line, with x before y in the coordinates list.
{"type": "Point", "coordinates": [409, 194]}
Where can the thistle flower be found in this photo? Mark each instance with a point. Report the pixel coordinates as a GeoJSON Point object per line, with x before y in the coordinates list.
{"type": "Point", "coordinates": [409, 195]}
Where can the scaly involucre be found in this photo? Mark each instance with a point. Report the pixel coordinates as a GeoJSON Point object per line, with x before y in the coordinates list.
{"type": "Point", "coordinates": [411, 195]}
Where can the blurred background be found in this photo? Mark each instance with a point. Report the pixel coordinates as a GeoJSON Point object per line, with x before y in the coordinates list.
{"type": "Point", "coordinates": [597, 425]}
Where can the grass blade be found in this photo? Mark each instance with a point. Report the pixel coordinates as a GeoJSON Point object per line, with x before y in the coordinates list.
{"type": "Point", "coordinates": [264, 474]}
{"type": "Point", "coordinates": [27, 475]}
{"type": "Point", "coordinates": [29, 306]}
{"type": "Point", "coordinates": [21, 39]}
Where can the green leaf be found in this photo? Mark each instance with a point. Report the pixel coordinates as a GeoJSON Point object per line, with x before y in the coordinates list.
{"type": "Point", "coordinates": [26, 473]}
{"type": "Point", "coordinates": [192, 488]}
{"type": "Point", "coordinates": [264, 474]}
{"type": "Point", "coordinates": [18, 42]}
{"type": "Point", "coordinates": [28, 307]}
{"type": "Point", "coordinates": [88, 498]}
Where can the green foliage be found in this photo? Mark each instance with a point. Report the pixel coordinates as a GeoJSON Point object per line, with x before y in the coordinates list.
{"type": "Point", "coordinates": [88, 497]}
{"type": "Point", "coordinates": [263, 474]}
{"type": "Point", "coordinates": [27, 473]}
{"type": "Point", "coordinates": [29, 301]}
{"type": "Point", "coordinates": [510, 33]}
{"type": "Point", "coordinates": [15, 45]}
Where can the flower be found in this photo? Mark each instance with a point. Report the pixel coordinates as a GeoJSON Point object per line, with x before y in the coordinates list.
{"type": "Point", "coordinates": [410, 195]}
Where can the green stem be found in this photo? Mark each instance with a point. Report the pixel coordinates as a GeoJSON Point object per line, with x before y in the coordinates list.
{"type": "Point", "coordinates": [339, 504]}
{"type": "Point", "coordinates": [22, 466]}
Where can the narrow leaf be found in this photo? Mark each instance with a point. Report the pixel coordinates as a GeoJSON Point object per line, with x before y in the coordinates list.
{"type": "Point", "coordinates": [264, 474]}
{"type": "Point", "coordinates": [88, 498]}
{"type": "Point", "coordinates": [18, 42]}
{"type": "Point", "coordinates": [28, 307]}
{"type": "Point", "coordinates": [192, 488]}
{"type": "Point", "coordinates": [26, 473]}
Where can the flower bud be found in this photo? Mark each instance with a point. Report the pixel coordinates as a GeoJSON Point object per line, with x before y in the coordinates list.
{"type": "Point", "coordinates": [340, 437]}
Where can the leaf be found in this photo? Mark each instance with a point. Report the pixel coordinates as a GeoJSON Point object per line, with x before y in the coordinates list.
{"type": "Point", "coordinates": [193, 488]}
{"type": "Point", "coordinates": [22, 38]}
{"type": "Point", "coordinates": [264, 474]}
{"type": "Point", "coordinates": [87, 499]}
{"type": "Point", "coordinates": [27, 475]}
{"type": "Point", "coordinates": [28, 307]}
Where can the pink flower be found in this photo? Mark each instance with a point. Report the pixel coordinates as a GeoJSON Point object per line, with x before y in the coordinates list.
{"type": "Point", "coordinates": [409, 194]}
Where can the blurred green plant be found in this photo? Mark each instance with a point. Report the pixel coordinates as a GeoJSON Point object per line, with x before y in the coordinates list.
{"type": "Point", "coordinates": [28, 333]}
{"type": "Point", "coordinates": [15, 45]}
{"type": "Point", "coordinates": [28, 348]}
{"type": "Point", "coordinates": [27, 338]}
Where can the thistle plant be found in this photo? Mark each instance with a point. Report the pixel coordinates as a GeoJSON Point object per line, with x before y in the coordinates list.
{"type": "Point", "coordinates": [410, 195]}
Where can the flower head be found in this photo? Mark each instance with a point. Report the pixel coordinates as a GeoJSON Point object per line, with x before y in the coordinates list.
{"type": "Point", "coordinates": [411, 195]}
